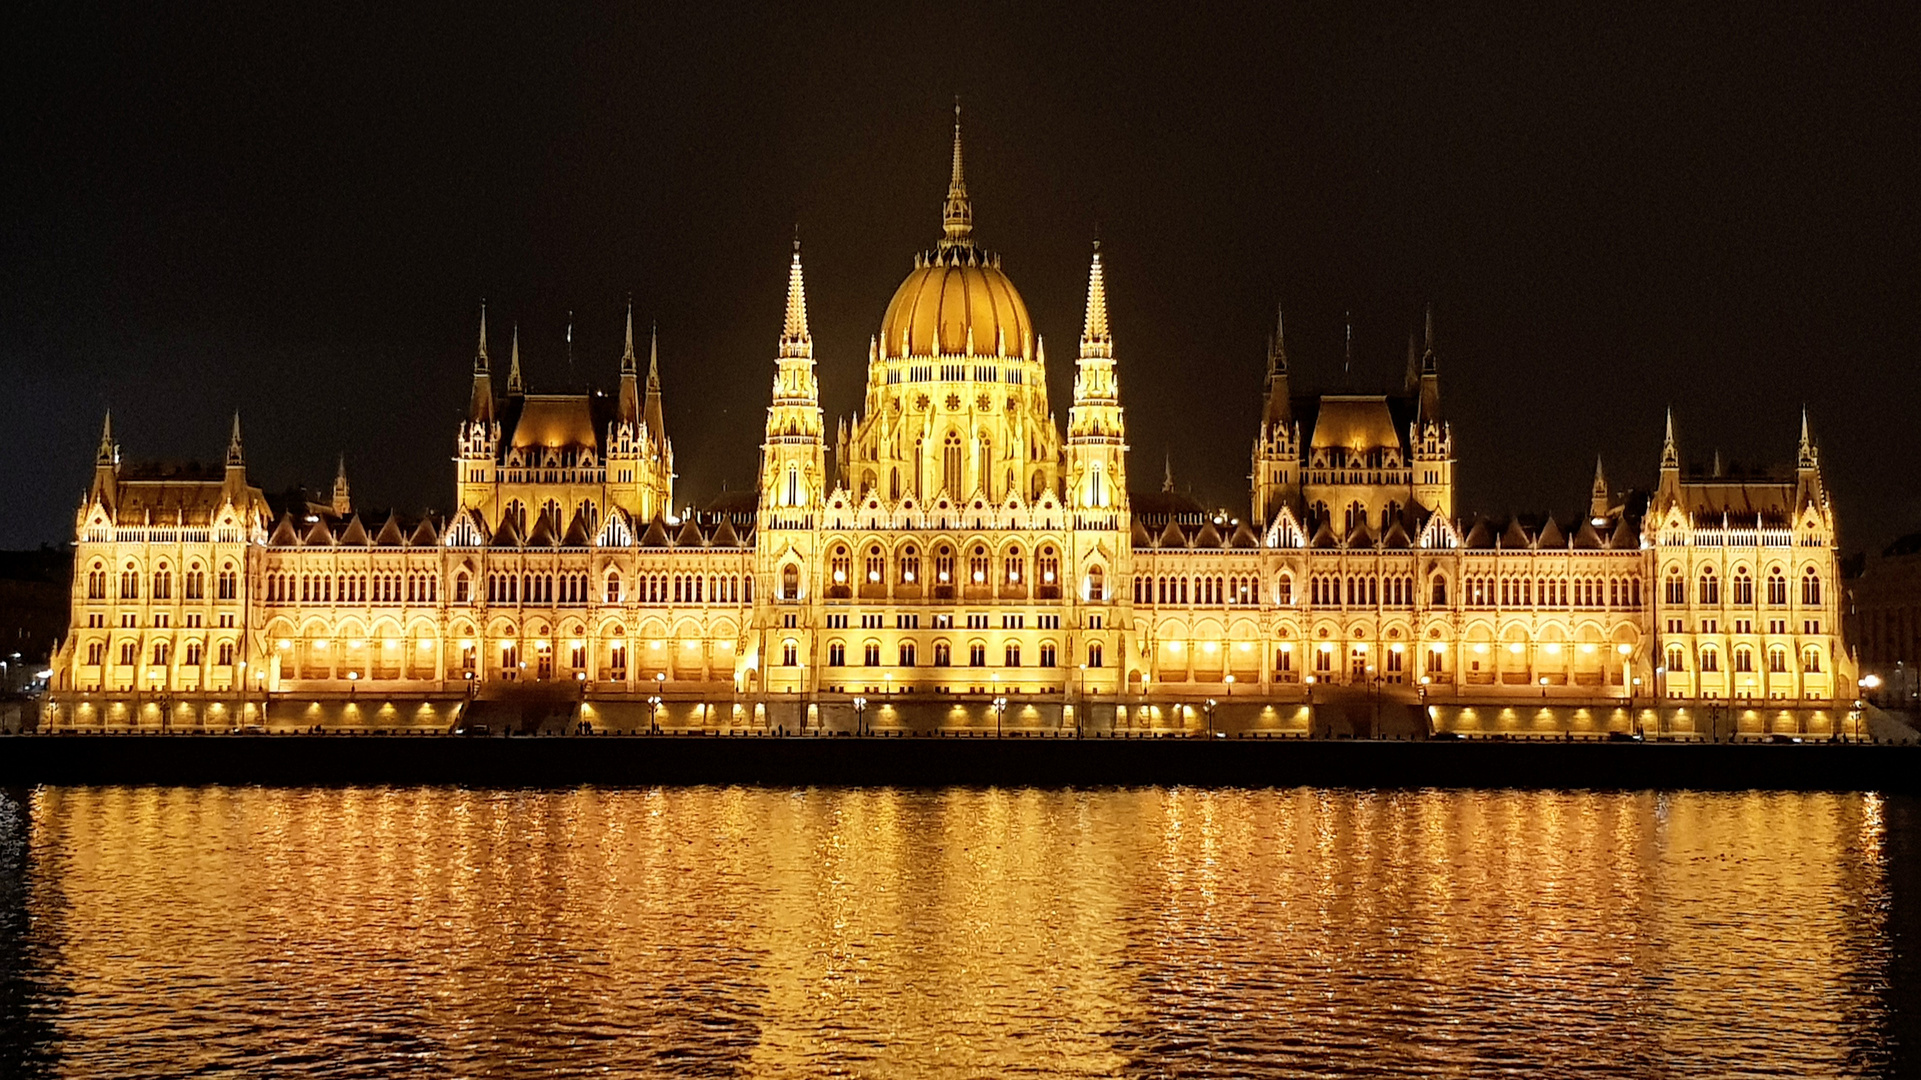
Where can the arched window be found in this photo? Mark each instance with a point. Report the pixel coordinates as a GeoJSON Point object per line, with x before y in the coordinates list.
{"type": "Point", "coordinates": [909, 564]}
{"type": "Point", "coordinates": [1049, 565]}
{"type": "Point", "coordinates": [1284, 589]}
{"type": "Point", "coordinates": [196, 583]}
{"type": "Point", "coordinates": [951, 463]}
{"type": "Point", "coordinates": [1743, 588]}
{"type": "Point", "coordinates": [1810, 588]}
{"type": "Point", "coordinates": [1094, 654]}
{"type": "Point", "coordinates": [1811, 660]}
{"type": "Point", "coordinates": [1096, 490]}
{"type": "Point", "coordinates": [1675, 591]}
{"type": "Point", "coordinates": [1710, 587]}
{"type": "Point", "coordinates": [1710, 660]}
{"type": "Point", "coordinates": [1777, 587]}
{"type": "Point", "coordinates": [790, 582]}
{"type": "Point", "coordinates": [97, 582]}
{"type": "Point", "coordinates": [790, 493]}
{"type": "Point", "coordinates": [613, 586]}
{"type": "Point", "coordinates": [944, 565]}
{"type": "Point", "coordinates": [1677, 658]}
{"type": "Point", "coordinates": [1743, 659]}
{"type": "Point", "coordinates": [876, 565]}
{"type": "Point", "coordinates": [977, 566]}
{"type": "Point", "coordinates": [1777, 659]}
{"type": "Point", "coordinates": [163, 583]}
{"type": "Point", "coordinates": [1013, 564]}
{"type": "Point", "coordinates": [1439, 592]}
{"type": "Point", "coordinates": [1096, 585]}
{"type": "Point", "coordinates": [1013, 654]}
{"type": "Point", "coordinates": [839, 565]}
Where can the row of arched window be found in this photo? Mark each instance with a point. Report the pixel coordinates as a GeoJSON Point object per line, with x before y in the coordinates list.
{"type": "Point", "coordinates": [1742, 658]}
{"type": "Point", "coordinates": [907, 654]}
{"type": "Point", "coordinates": [1201, 590]}
{"type": "Point", "coordinates": [193, 583]}
{"type": "Point", "coordinates": [194, 654]}
{"type": "Point", "coordinates": [1488, 590]}
{"type": "Point", "coordinates": [1740, 588]}
{"type": "Point", "coordinates": [1360, 590]}
{"type": "Point", "coordinates": [982, 568]}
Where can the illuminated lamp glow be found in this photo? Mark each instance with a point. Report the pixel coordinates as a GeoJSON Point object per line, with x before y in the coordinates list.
{"type": "Point", "coordinates": [1517, 648]}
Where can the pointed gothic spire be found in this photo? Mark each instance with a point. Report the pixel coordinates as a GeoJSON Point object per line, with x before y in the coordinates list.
{"type": "Point", "coordinates": [957, 215]}
{"type": "Point", "coordinates": [1427, 354]}
{"type": "Point", "coordinates": [795, 340]}
{"type": "Point", "coordinates": [480, 354]}
{"type": "Point", "coordinates": [1096, 338]}
{"type": "Point", "coordinates": [1670, 455]}
{"type": "Point", "coordinates": [1598, 494]}
{"type": "Point", "coordinates": [1167, 473]}
{"type": "Point", "coordinates": [514, 383]}
{"type": "Point", "coordinates": [108, 453]}
{"type": "Point", "coordinates": [653, 358]}
{"type": "Point", "coordinates": [236, 455]}
{"type": "Point", "coordinates": [1277, 346]}
{"type": "Point", "coordinates": [656, 421]}
{"type": "Point", "coordinates": [627, 355]}
{"type": "Point", "coordinates": [342, 503]}
{"type": "Point", "coordinates": [1347, 357]}
{"type": "Point", "coordinates": [1805, 454]}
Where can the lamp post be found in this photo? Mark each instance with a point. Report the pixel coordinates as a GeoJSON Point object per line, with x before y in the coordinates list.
{"type": "Point", "coordinates": [1000, 707]}
{"type": "Point", "coordinates": [1210, 718]}
{"type": "Point", "coordinates": [1308, 683]}
{"type": "Point", "coordinates": [860, 715]}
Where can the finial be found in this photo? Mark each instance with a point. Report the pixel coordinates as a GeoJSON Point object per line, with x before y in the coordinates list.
{"type": "Point", "coordinates": [106, 454]}
{"type": "Point", "coordinates": [234, 449]}
{"type": "Point", "coordinates": [1430, 326]}
{"type": "Point", "coordinates": [795, 341]}
{"type": "Point", "coordinates": [1806, 453]}
{"type": "Point", "coordinates": [1167, 475]}
{"type": "Point", "coordinates": [1347, 358]}
{"type": "Point", "coordinates": [514, 385]}
{"type": "Point", "coordinates": [796, 239]}
{"type": "Point", "coordinates": [1096, 339]}
{"type": "Point", "coordinates": [1670, 455]}
{"type": "Point", "coordinates": [653, 356]}
{"type": "Point", "coordinates": [957, 216]}
{"type": "Point", "coordinates": [628, 356]}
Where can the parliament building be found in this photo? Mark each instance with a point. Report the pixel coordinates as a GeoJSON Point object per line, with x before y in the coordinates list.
{"type": "Point", "coordinates": [951, 557]}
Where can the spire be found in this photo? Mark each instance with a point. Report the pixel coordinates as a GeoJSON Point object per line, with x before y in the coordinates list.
{"type": "Point", "coordinates": [1277, 346]}
{"type": "Point", "coordinates": [1670, 455]}
{"type": "Point", "coordinates": [1598, 494]}
{"type": "Point", "coordinates": [342, 504]}
{"type": "Point", "coordinates": [1167, 472]}
{"type": "Point", "coordinates": [514, 385]}
{"type": "Point", "coordinates": [1805, 457]}
{"type": "Point", "coordinates": [480, 355]}
{"type": "Point", "coordinates": [957, 215]}
{"type": "Point", "coordinates": [1347, 357]}
{"type": "Point", "coordinates": [627, 356]}
{"type": "Point", "coordinates": [1096, 339]}
{"type": "Point", "coordinates": [1430, 374]}
{"type": "Point", "coordinates": [1427, 354]}
{"type": "Point", "coordinates": [795, 340]}
{"type": "Point", "coordinates": [656, 423]}
{"type": "Point", "coordinates": [108, 453]}
{"type": "Point", "coordinates": [236, 457]}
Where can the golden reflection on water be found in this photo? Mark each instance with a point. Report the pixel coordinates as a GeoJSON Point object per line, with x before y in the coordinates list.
{"type": "Point", "coordinates": [964, 932]}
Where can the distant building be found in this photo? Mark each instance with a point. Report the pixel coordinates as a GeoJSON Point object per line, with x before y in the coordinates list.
{"type": "Point", "coordinates": [1887, 610]}
{"type": "Point", "coordinates": [961, 547]}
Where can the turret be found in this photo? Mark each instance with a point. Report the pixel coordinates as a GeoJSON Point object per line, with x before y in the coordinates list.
{"type": "Point", "coordinates": [1430, 376]}
{"type": "Point", "coordinates": [480, 409]}
{"type": "Point", "coordinates": [1431, 441]}
{"type": "Point", "coordinates": [793, 473]}
{"type": "Point", "coordinates": [1277, 451]}
{"type": "Point", "coordinates": [1599, 502]}
{"type": "Point", "coordinates": [1096, 435]}
{"type": "Point", "coordinates": [957, 213]}
{"type": "Point", "coordinates": [656, 421]}
{"type": "Point", "coordinates": [516, 387]}
{"type": "Point", "coordinates": [106, 468]}
{"type": "Point", "coordinates": [342, 500]}
{"type": "Point", "coordinates": [1669, 490]}
{"type": "Point", "coordinates": [629, 411]}
{"type": "Point", "coordinates": [235, 487]}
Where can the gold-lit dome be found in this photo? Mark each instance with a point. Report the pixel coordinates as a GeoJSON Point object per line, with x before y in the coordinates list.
{"type": "Point", "coordinates": [948, 295]}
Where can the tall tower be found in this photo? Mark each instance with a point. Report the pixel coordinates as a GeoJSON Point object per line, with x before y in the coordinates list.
{"type": "Point", "coordinates": [1096, 434]}
{"type": "Point", "coordinates": [479, 440]}
{"type": "Point", "coordinates": [1277, 449]}
{"type": "Point", "coordinates": [793, 481]}
{"type": "Point", "coordinates": [1431, 440]}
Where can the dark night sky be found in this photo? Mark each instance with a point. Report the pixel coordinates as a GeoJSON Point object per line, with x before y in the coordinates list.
{"type": "Point", "coordinates": [1613, 208]}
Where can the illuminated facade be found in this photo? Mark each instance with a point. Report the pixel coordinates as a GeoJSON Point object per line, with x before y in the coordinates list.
{"type": "Point", "coordinates": [960, 547]}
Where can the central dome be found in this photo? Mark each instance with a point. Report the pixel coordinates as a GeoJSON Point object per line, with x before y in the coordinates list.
{"type": "Point", "coordinates": [948, 295]}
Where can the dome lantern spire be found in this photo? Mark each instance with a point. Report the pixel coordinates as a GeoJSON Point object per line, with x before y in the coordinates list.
{"type": "Point", "coordinates": [957, 215]}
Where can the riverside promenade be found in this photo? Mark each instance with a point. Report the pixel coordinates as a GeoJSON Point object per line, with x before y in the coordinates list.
{"type": "Point", "coordinates": [927, 761]}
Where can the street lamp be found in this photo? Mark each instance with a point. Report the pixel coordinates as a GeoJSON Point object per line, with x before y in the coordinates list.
{"type": "Point", "coordinates": [860, 715]}
{"type": "Point", "coordinates": [1000, 707]}
{"type": "Point", "coordinates": [1210, 718]}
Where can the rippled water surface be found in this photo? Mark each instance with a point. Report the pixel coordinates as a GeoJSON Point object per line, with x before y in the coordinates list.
{"type": "Point", "coordinates": [737, 931]}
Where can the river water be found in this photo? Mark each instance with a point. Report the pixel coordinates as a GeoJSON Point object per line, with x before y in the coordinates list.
{"type": "Point", "coordinates": [428, 932]}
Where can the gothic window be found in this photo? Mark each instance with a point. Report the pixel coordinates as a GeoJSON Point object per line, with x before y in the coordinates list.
{"type": "Point", "coordinates": [1710, 588]}
{"type": "Point", "coordinates": [1710, 660]}
{"type": "Point", "coordinates": [789, 653]}
{"type": "Point", "coordinates": [163, 584]}
{"type": "Point", "coordinates": [1096, 492]}
{"type": "Point", "coordinates": [1047, 654]}
{"type": "Point", "coordinates": [226, 654]}
{"type": "Point", "coordinates": [870, 654]}
{"type": "Point", "coordinates": [1094, 655]}
{"type": "Point", "coordinates": [790, 582]}
{"type": "Point", "coordinates": [1810, 587]}
{"type": "Point", "coordinates": [127, 653]}
{"type": "Point", "coordinates": [1049, 566]}
{"type": "Point", "coordinates": [1777, 660]}
{"type": "Point", "coordinates": [1777, 587]}
{"type": "Point", "coordinates": [159, 653]}
{"type": "Point", "coordinates": [893, 484]}
{"type": "Point", "coordinates": [194, 653]}
{"type": "Point", "coordinates": [1676, 589]}
{"type": "Point", "coordinates": [977, 566]}
{"type": "Point", "coordinates": [1096, 585]}
{"type": "Point", "coordinates": [1439, 591]}
{"type": "Point", "coordinates": [840, 563]}
{"type": "Point", "coordinates": [1677, 658]}
{"type": "Point", "coordinates": [943, 654]}
{"type": "Point", "coordinates": [96, 651]}
{"type": "Point", "coordinates": [905, 654]}
{"type": "Point", "coordinates": [613, 586]}
{"type": "Point", "coordinates": [836, 654]}
{"type": "Point", "coordinates": [951, 461]}
{"type": "Point", "coordinates": [909, 564]}
{"type": "Point", "coordinates": [1743, 588]}
{"type": "Point", "coordinates": [1743, 659]}
{"type": "Point", "coordinates": [1284, 589]}
{"type": "Point", "coordinates": [196, 584]}
{"type": "Point", "coordinates": [876, 565]}
{"type": "Point", "coordinates": [96, 583]}
{"type": "Point", "coordinates": [944, 565]}
{"type": "Point", "coordinates": [1011, 566]}
{"type": "Point", "coordinates": [1811, 660]}
{"type": "Point", "coordinates": [1013, 654]}
{"type": "Point", "coordinates": [790, 492]}
{"type": "Point", "coordinates": [977, 654]}
{"type": "Point", "coordinates": [986, 469]}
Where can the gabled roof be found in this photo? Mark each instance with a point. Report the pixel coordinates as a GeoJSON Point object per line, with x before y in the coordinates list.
{"type": "Point", "coordinates": [724, 535]}
{"type": "Point", "coordinates": [656, 535]}
{"type": "Point", "coordinates": [508, 534]}
{"type": "Point", "coordinates": [1551, 538]}
{"type": "Point", "coordinates": [542, 534]}
{"type": "Point", "coordinates": [1139, 537]}
{"type": "Point", "coordinates": [689, 535]}
{"type": "Point", "coordinates": [426, 535]}
{"type": "Point", "coordinates": [355, 534]}
{"type": "Point", "coordinates": [284, 533]}
{"type": "Point", "coordinates": [1586, 539]}
{"type": "Point", "coordinates": [1623, 538]}
{"type": "Point", "coordinates": [1480, 537]}
{"type": "Point", "coordinates": [318, 535]}
{"type": "Point", "coordinates": [1515, 537]}
{"type": "Point", "coordinates": [1396, 537]}
{"type": "Point", "coordinates": [578, 535]}
{"type": "Point", "coordinates": [1172, 536]}
{"type": "Point", "coordinates": [1324, 536]}
{"type": "Point", "coordinates": [1208, 538]}
{"type": "Point", "coordinates": [1244, 538]}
